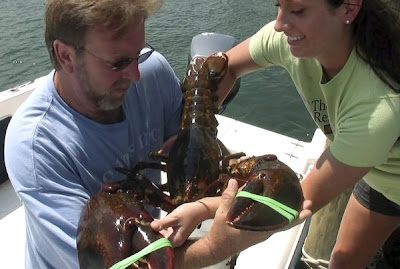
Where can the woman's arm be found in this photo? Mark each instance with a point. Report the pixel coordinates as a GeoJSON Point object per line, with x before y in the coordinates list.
{"type": "Point", "coordinates": [239, 64]}
{"type": "Point", "coordinates": [328, 179]}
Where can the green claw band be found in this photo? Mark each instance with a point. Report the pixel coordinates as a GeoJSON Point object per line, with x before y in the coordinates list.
{"type": "Point", "coordinates": [156, 245]}
{"type": "Point", "coordinates": [282, 209]}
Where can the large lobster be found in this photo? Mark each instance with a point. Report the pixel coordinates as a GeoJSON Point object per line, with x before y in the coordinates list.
{"type": "Point", "coordinates": [115, 224]}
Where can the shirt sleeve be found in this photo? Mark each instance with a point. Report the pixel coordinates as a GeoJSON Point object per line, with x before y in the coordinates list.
{"type": "Point", "coordinates": [53, 198]}
{"type": "Point", "coordinates": [266, 45]}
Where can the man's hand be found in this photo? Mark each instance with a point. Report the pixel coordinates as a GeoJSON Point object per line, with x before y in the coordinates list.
{"type": "Point", "coordinates": [226, 240]}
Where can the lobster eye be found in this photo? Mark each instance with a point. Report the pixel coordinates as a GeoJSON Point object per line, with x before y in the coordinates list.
{"type": "Point", "coordinates": [271, 157]}
{"type": "Point", "coordinates": [262, 175]}
{"type": "Point", "coordinates": [215, 66]}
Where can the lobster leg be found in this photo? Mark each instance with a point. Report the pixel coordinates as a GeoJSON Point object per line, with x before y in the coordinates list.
{"type": "Point", "coordinates": [158, 156]}
{"type": "Point", "coordinates": [148, 190]}
{"type": "Point", "coordinates": [226, 155]}
{"type": "Point", "coordinates": [143, 165]}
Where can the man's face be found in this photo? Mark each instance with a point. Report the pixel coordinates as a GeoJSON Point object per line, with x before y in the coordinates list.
{"type": "Point", "coordinates": [104, 88]}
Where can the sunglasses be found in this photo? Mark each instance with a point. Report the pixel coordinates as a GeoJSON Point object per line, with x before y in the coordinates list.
{"type": "Point", "coordinates": [124, 63]}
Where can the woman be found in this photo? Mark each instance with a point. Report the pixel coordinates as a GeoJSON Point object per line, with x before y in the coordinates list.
{"type": "Point", "coordinates": [343, 57]}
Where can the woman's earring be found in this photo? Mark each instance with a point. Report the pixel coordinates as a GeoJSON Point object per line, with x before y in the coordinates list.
{"type": "Point", "coordinates": [347, 22]}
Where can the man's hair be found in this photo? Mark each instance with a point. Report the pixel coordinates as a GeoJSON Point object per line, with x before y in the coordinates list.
{"type": "Point", "coordinates": [70, 20]}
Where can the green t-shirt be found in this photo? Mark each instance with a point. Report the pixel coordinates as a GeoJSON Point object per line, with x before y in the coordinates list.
{"type": "Point", "coordinates": [356, 110]}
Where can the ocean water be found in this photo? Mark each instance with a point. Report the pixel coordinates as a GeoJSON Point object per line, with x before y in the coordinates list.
{"type": "Point", "coordinates": [266, 98]}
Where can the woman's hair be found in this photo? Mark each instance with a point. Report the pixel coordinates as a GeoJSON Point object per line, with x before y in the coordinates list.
{"type": "Point", "coordinates": [376, 32]}
{"type": "Point", "coordinates": [69, 20]}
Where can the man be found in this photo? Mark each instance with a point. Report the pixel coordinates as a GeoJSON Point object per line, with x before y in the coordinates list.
{"type": "Point", "coordinates": [110, 101]}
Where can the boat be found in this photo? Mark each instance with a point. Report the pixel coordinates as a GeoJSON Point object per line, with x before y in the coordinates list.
{"type": "Point", "coordinates": [280, 251]}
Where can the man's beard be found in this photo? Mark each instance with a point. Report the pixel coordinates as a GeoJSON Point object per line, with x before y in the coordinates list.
{"type": "Point", "coordinates": [107, 101]}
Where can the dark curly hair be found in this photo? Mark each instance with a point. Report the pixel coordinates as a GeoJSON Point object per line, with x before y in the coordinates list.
{"type": "Point", "coordinates": [376, 32]}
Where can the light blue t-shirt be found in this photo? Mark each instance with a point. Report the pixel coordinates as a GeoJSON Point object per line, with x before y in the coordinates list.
{"type": "Point", "coordinates": [57, 159]}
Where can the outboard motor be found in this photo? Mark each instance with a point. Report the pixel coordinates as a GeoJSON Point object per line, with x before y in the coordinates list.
{"type": "Point", "coordinates": [206, 44]}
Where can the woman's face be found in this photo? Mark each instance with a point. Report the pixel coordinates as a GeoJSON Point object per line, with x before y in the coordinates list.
{"type": "Point", "coordinates": [313, 28]}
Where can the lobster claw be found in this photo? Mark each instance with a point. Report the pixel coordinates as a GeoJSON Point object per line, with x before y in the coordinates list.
{"type": "Point", "coordinates": [271, 199]}
{"type": "Point", "coordinates": [161, 258]}
{"type": "Point", "coordinates": [114, 226]}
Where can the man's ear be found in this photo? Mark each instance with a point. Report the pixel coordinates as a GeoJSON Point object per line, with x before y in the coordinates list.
{"type": "Point", "coordinates": [66, 55]}
{"type": "Point", "coordinates": [352, 7]}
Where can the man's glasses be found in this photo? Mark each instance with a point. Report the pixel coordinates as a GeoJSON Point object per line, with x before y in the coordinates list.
{"type": "Point", "coordinates": [124, 63]}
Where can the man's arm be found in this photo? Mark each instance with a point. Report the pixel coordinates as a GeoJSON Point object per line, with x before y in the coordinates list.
{"type": "Point", "coordinates": [221, 242]}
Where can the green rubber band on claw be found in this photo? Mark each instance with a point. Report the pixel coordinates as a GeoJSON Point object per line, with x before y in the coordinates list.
{"type": "Point", "coordinates": [156, 245]}
{"type": "Point", "coordinates": [282, 209]}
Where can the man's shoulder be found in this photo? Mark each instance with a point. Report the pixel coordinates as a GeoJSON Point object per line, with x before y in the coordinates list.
{"type": "Point", "coordinates": [156, 63]}
{"type": "Point", "coordinates": [156, 71]}
{"type": "Point", "coordinates": [40, 95]}
{"type": "Point", "coordinates": [30, 113]}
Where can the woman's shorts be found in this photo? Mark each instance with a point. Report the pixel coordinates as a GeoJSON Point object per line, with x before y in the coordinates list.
{"type": "Point", "coordinates": [374, 200]}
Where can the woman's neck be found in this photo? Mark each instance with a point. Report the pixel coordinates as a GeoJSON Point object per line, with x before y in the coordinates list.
{"type": "Point", "coordinates": [333, 62]}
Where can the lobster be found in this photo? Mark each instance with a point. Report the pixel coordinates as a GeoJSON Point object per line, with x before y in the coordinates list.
{"type": "Point", "coordinates": [195, 165]}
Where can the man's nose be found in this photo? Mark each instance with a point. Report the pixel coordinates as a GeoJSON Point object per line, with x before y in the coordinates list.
{"type": "Point", "coordinates": [131, 72]}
